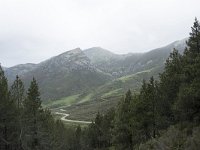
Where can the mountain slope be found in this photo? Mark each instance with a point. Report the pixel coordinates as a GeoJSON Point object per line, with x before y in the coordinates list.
{"type": "Point", "coordinates": [65, 74]}
{"type": "Point", "coordinates": [108, 95]}
{"type": "Point", "coordinates": [109, 62]}
{"type": "Point", "coordinates": [121, 65]}
{"type": "Point", "coordinates": [80, 72]}
{"type": "Point", "coordinates": [18, 70]}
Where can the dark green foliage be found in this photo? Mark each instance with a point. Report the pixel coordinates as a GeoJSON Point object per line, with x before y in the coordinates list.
{"type": "Point", "coordinates": [194, 40]}
{"type": "Point", "coordinates": [98, 135]}
{"type": "Point", "coordinates": [170, 81]}
{"type": "Point", "coordinates": [8, 122]}
{"type": "Point", "coordinates": [31, 116]}
{"type": "Point", "coordinates": [17, 92]}
{"type": "Point", "coordinates": [146, 111]}
{"type": "Point", "coordinates": [175, 138]}
{"type": "Point", "coordinates": [175, 98]}
{"type": "Point", "coordinates": [78, 138]}
{"type": "Point", "coordinates": [188, 104]}
{"type": "Point", "coordinates": [25, 125]}
{"type": "Point", "coordinates": [122, 125]}
{"type": "Point", "coordinates": [180, 97]}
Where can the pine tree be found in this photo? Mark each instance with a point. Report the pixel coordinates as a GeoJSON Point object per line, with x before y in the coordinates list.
{"type": "Point", "coordinates": [194, 39]}
{"type": "Point", "coordinates": [32, 112]}
{"type": "Point", "coordinates": [78, 138]}
{"type": "Point", "coordinates": [17, 97]}
{"type": "Point", "coordinates": [146, 113]}
{"type": "Point", "coordinates": [3, 110]}
{"type": "Point", "coordinates": [122, 125]}
{"type": "Point", "coordinates": [8, 118]}
{"type": "Point", "coordinates": [107, 128]}
{"type": "Point", "coordinates": [17, 92]}
{"type": "Point", "coordinates": [188, 104]}
{"type": "Point", "coordinates": [170, 81]}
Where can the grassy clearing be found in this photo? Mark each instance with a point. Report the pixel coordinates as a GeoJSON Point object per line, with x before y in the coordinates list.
{"type": "Point", "coordinates": [85, 106]}
{"type": "Point", "coordinates": [66, 101]}
{"type": "Point", "coordinates": [86, 98]}
{"type": "Point", "coordinates": [129, 77]}
{"type": "Point", "coordinates": [111, 93]}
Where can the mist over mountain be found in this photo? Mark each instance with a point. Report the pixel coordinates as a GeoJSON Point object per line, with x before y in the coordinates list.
{"type": "Point", "coordinates": [78, 71]}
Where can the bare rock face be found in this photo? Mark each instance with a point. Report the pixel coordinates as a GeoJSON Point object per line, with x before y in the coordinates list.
{"type": "Point", "coordinates": [67, 62]}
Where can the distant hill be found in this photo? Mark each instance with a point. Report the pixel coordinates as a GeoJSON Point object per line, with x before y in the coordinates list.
{"type": "Point", "coordinates": [121, 65]}
{"type": "Point", "coordinates": [63, 75]}
{"type": "Point", "coordinates": [18, 70]}
{"type": "Point", "coordinates": [95, 69]}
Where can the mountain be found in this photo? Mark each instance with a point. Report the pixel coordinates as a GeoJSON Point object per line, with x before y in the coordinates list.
{"type": "Point", "coordinates": [127, 64]}
{"type": "Point", "coordinates": [107, 61]}
{"type": "Point", "coordinates": [78, 72]}
{"type": "Point", "coordinates": [65, 74]}
{"type": "Point", "coordinates": [18, 70]}
{"type": "Point", "coordinates": [98, 55]}
{"type": "Point", "coordinates": [136, 69]}
{"type": "Point", "coordinates": [153, 58]}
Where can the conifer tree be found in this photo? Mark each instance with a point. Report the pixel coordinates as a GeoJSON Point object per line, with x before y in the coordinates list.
{"type": "Point", "coordinates": [32, 112]}
{"type": "Point", "coordinates": [77, 138]}
{"type": "Point", "coordinates": [8, 117]}
{"type": "Point", "coordinates": [3, 110]}
{"type": "Point", "coordinates": [194, 40]}
{"type": "Point", "coordinates": [170, 81]}
{"type": "Point", "coordinates": [17, 97]}
{"type": "Point", "coordinates": [188, 104]}
{"type": "Point", "coordinates": [17, 92]}
{"type": "Point", "coordinates": [122, 125]}
{"type": "Point", "coordinates": [146, 119]}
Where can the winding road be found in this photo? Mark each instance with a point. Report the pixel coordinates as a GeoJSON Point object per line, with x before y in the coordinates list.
{"type": "Point", "coordinates": [64, 118]}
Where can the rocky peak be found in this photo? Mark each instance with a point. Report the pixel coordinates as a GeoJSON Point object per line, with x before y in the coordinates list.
{"type": "Point", "coordinates": [68, 61]}
{"type": "Point", "coordinates": [70, 53]}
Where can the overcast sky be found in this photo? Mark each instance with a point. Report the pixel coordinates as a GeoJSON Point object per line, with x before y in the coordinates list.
{"type": "Point", "coordinates": [34, 30]}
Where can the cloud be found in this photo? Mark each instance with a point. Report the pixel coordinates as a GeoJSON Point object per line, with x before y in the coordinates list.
{"type": "Point", "coordinates": [34, 30]}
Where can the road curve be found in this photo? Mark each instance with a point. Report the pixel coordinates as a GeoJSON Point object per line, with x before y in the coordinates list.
{"type": "Point", "coordinates": [68, 120]}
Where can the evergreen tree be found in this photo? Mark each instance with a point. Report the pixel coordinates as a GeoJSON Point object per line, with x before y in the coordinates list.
{"type": "Point", "coordinates": [170, 81]}
{"type": "Point", "coordinates": [3, 110]}
{"type": "Point", "coordinates": [107, 128]}
{"type": "Point", "coordinates": [17, 92]}
{"type": "Point", "coordinates": [188, 104]}
{"type": "Point", "coordinates": [77, 138]}
{"type": "Point", "coordinates": [194, 39]}
{"type": "Point", "coordinates": [8, 119]}
{"type": "Point", "coordinates": [17, 97]}
{"type": "Point", "coordinates": [146, 119]}
{"type": "Point", "coordinates": [32, 112]}
{"type": "Point", "coordinates": [122, 125]}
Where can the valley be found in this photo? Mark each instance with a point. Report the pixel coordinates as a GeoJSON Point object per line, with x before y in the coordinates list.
{"type": "Point", "coordinates": [100, 75]}
{"type": "Point", "coordinates": [84, 82]}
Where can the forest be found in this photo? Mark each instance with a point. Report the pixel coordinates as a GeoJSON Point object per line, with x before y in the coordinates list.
{"type": "Point", "coordinates": [165, 114]}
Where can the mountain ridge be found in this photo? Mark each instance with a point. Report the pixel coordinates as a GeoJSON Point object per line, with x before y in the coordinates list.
{"type": "Point", "coordinates": [78, 71]}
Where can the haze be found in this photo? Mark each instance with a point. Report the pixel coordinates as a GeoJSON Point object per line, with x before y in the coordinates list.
{"type": "Point", "coordinates": [34, 30]}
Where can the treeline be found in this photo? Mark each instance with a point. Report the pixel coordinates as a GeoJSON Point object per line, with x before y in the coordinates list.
{"type": "Point", "coordinates": [172, 101]}
{"type": "Point", "coordinates": [25, 125]}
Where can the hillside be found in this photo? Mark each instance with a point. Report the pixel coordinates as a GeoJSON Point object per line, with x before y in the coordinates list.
{"type": "Point", "coordinates": [66, 74]}
{"type": "Point", "coordinates": [122, 65]}
{"type": "Point", "coordinates": [108, 95]}
{"type": "Point", "coordinates": [18, 70]}
{"type": "Point", "coordinates": [92, 73]}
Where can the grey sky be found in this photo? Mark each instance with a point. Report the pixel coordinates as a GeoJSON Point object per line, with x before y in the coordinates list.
{"type": "Point", "coordinates": [34, 30]}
